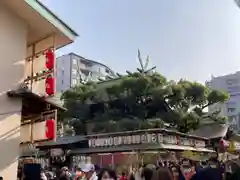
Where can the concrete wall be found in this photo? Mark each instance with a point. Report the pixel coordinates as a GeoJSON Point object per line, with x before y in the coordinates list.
{"type": "Point", "coordinates": [13, 36]}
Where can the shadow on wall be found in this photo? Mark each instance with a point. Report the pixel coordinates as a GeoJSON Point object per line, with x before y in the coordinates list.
{"type": "Point", "coordinates": [9, 149]}
{"type": "Point", "coordinates": [13, 37]}
{"type": "Point", "coordinates": [11, 76]}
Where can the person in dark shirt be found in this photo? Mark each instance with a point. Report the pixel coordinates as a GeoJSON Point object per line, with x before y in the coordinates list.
{"type": "Point", "coordinates": [209, 173]}
{"type": "Point", "coordinates": [147, 173]}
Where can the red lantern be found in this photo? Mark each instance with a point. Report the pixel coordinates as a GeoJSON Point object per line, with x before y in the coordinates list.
{"type": "Point", "coordinates": [222, 141]}
{"type": "Point", "coordinates": [50, 85]}
{"type": "Point", "coordinates": [50, 129]}
{"type": "Point", "coordinates": [50, 58]}
{"type": "Point", "coordinates": [223, 145]}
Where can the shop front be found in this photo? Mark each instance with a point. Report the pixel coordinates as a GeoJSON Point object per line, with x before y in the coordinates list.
{"type": "Point", "coordinates": [57, 153]}
{"type": "Point", "coordinates": [138, 147]}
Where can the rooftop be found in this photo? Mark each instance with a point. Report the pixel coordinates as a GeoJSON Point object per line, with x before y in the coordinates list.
{"type": "Point", "coordinates": [42, 22]}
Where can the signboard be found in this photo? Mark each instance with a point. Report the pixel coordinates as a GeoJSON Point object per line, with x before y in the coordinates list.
{"type": "Point", "coordinates": [57, 152]}
{"type": "Point", "coordinates": [28, 148]}
{"type": "Point", "coordinates": [147, 138]}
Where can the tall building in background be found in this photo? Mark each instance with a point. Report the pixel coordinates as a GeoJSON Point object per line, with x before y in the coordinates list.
{"type": "Point", "coordinates": [72, 69]}
{"type": "Point", "coordinates": [231, 84]}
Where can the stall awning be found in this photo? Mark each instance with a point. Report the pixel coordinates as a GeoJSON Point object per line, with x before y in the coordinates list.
{"type": "Point", "coordinates": [61, 142]}
{"type": "Point", "coordinates": [138, 147]}
{"type": "Point", "coordinates": [21, 93]}
{"type": "Point", "coordinates": [205, 150]}
{"type": "Point", "coordinates": [32, 154]}
{"type": "Point", "coordinates": [124, 148]}
{"type": "Point", "coordinates": [187, 148]}
{"type": "Point", "coordinates": [176, 147]}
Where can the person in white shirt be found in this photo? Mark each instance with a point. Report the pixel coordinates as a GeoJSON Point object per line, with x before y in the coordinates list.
{"type": "Point", "coordinates": [43, 176]}
{"type": "Point", "coordinates": [89, 172]}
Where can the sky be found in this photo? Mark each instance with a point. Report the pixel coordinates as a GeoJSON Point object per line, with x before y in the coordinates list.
{"type": "Point", "coordinates": [190, 39]}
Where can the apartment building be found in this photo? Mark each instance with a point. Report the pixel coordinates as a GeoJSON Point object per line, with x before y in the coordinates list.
{"type": "Point", "coordinates": [72, 69]}
{"type": "Point", "coordinates": [231, 84]}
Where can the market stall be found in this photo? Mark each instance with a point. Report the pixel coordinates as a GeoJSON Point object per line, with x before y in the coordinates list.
{"type": "Point", "coordinates": [132, 148]}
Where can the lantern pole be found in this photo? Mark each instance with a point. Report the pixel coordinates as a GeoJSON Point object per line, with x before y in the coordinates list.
{"type": "Point", "coordinates": [55, 119]}
{"type": "Point", "coordinates": [31, 131]}
{"type": "Point", "coordinates": [32, 67]}
{"type": "Point", "coordinates": [31, 136]}
{"type": "Point", "coordinates": [31, 88]}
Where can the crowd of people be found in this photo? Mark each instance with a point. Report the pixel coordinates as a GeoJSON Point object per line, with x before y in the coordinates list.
{"type": "Point", "coordinates": [167, 170]}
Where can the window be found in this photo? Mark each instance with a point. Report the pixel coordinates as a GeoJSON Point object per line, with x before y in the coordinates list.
{"type": "Point", "coordinates": [231, 103]}
{"type": "Point", "coordinates": [234, 89]}
{"type": "Point", "coordinates": [62, 82]}
{"type": "Point", "coordinates": [86, 63]}
{"type": "Point", "coordinates": [74, 82]}
{"type": "Point", "coordinates": [231, 81]}
{"type": "Point", "coordinates": [107, 71]}
{"type": "Point", "coordinates": [74, 71]}
{"type": "Point", "coordinates": [74, 61]}
{"type": "Point", "coordinates": [231, 109]}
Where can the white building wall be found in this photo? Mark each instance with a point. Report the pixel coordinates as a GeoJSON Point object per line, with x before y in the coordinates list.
{"type": "Point", "coordinates": [72, 69]}
{"type": "Point", "coordinates": [231, 84]}
{"type": "Point", "coordinates": [13, 37]}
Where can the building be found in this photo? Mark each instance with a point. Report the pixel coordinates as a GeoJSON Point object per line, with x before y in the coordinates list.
{"type": "Point", "coordinates": [129, 148]}
{"type": "Point", "coordinates": [28, 31]}
{"type": "Point", "coordinates": [73, 69]}
{"type": "Point", "coordinates": [231, 84]}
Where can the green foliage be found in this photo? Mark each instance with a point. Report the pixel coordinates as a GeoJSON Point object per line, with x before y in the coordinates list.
{"type": "Point", "coordinates": [142, 100]}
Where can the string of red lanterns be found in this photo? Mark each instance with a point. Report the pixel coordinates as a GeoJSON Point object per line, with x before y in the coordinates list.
{"type": "Point", "coordinates": [50, 90]}
{"type": "Point", "coordinates": [50, 80]}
